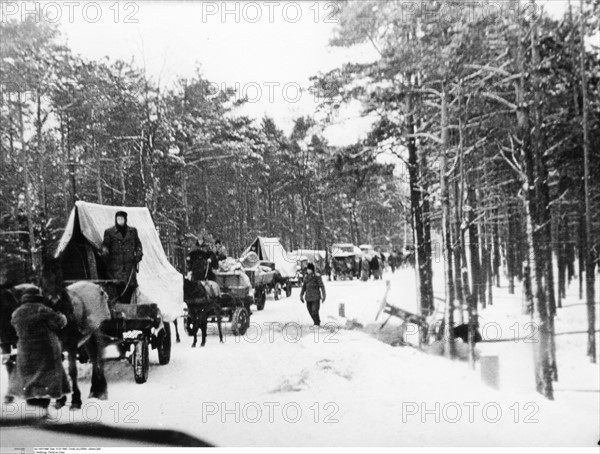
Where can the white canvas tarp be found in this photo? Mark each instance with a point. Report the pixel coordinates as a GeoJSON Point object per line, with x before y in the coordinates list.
{"type": "Point", "coordinates": [271, 250]}
{"type": "Point", "coordinates": [159, 282]}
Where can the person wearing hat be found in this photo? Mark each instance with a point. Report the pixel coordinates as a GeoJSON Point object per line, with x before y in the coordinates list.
{"type": "Point", "coordinates": [122, 250]}
{"type": "Point", "coordinates": [314, 290]}
{"type": "Point", "coordinates": [202, 262]}
{"type": "Point", "coordinates": [39, 374]}
{"type": "Point", "coordinates": [220, 250]}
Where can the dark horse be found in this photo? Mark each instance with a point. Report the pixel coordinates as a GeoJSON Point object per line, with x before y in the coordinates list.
{"type": "Point", "coordinates": [85, 305]}
{"type": "Point", "coordinates": [200, 307]}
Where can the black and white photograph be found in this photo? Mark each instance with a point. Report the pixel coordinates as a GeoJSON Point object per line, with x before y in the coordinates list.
{"type": "Point", "coordinates": [367, 226]}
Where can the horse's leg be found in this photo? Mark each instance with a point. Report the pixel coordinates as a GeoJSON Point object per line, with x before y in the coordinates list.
{"type": "Point", "coordinates": [194, 329]}
{"type": "Point", "coordinates": [10, 366]}
{"type": "Point", "coordinates": [99, 388]}
{"type": "Point", "coordinates": [76, 396]}
{"type": "Point", "coordinates": [203, 327]}
{"type": "Point", "coordinates": [177, 338]}
{"type": "Point", "coordinates": [218, 314]}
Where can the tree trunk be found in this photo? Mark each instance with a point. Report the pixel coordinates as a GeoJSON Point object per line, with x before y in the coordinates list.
{"type": "Point", "coordinates": [27, 188]}
{"type": "Point", "coordinates": [511, 264]}
{"type": "Point", "coordinates": [459, 294]}
{"type": "Point", "coordinates": [416, 190]}
{"type": "Point", "coordinates": [184, 199]}
{"type": "Point", "coordinates": [449, 348]}
{"type": "Point", "coordinates": [533, 218]}
{"type": "Point", "coordinates": [589, 256]}
{"type": "Point", "coordinates": [478, 283]}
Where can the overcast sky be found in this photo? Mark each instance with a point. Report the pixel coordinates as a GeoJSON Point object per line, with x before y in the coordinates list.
{"type": "Point", "coordinates": [267, 49]}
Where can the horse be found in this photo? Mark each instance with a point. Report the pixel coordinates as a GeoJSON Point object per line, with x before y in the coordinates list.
{"type": "Point", "coordinates": [200, 307]}
{"type": "Point", "coordinates": [85, 304]}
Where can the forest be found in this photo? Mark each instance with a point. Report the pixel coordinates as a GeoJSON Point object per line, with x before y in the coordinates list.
{"type": "Point", "coordinates": [495, 115]}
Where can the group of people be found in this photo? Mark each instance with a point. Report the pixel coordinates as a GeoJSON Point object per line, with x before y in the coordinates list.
{"type": "Point", "coordinates": [38, 375]}
{"type": "Point", "coordinates": [202, 261]}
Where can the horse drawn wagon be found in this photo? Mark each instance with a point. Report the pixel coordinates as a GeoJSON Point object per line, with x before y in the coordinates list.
{"type": "Point", "coordinates": [143, 322]}
{"type": "Point", "coordinates": [345, 260]}
{"type": "Point", "coordinates": [271, 254]}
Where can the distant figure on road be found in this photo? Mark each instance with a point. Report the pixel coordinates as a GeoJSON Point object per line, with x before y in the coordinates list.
{"type": "Point", "coordinates": [314, 290]}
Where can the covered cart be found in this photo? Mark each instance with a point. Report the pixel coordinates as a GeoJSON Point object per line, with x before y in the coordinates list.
{"type": "Point", "coordinates": [143, 323]}
{"type": "Point", "coordinates": [345, 261]}
{"type": "Point", "coordinates": [272, 254]}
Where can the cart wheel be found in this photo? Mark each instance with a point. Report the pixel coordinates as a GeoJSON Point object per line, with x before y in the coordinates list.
{"type": "Point", "coordinates": [240, 320]}
{"type": "Point", "coordinates": [260, 298]}
{"type": "Point", "coordinates": [164, 345]}
{"type": "Point", "coordinates": [141, 360]}
{"type": "Point", "coordinates": [288, 289]}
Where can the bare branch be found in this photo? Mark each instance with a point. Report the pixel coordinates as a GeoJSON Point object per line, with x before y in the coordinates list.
{"type": "Point", "coordinates": [489, 68]}
{"type": "Point", "coordinates": [499, 99]}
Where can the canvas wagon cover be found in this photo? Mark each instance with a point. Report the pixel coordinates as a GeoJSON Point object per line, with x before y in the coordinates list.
{"type": "Point", "coordinates": [159, 282]}
{"type": "Point", "coordinates": [271, 249]}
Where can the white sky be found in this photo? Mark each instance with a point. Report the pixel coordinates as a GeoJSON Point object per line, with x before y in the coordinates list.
{"type": "Point", "coordinates": [286, 45]}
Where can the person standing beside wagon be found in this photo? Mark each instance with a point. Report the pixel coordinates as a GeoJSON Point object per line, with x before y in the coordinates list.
{"type": "Point", "coordinates": [39, 374]}
{"type": "Point", "coordinates": [123, 251]}
{"type": "Point", "coordinates": [314, 290]}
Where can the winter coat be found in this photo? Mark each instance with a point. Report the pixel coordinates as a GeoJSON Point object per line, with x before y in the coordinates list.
{"type": "Point", "coordinates": [197, 261]}
{"type": "Point", "coordinates": [39, 372]}
{"type": "Point", "coordinates": [123, 254]}
{"type": "Point", "coordinates": [313, 288]}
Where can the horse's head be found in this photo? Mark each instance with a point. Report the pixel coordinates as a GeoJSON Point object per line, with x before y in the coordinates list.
{"type": "Point", "coordinates": [14, 270]}
{"type": "Point", "coordinates": [52, 278]}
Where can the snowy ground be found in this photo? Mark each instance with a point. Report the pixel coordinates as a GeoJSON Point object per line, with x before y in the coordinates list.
{"type": "Point", "coordinates": [285, 384]}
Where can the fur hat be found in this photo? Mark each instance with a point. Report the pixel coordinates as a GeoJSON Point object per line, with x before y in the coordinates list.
{"type": "Point", "coordinates": [31, 295]}
{"type": "Point", "coordinates": [121, 213]}
{"type": "Point", "coordinates": [311, 266]}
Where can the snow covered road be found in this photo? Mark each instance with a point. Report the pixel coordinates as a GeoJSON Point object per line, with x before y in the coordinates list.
{"type": "Point", "coordinates": [285, 384]}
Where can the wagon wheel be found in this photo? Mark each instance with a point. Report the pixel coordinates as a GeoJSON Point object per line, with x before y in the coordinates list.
{"type": "Point", "coordinates": [141, 360]}
{"type": "Point", "coordinates": [288, 289]}
{"type": "Point", "coordinates": [240, 320]}
{"type": "Point", "coordinates": [164, 345]}
{"type": "Point", "coordinates": [260, 296]}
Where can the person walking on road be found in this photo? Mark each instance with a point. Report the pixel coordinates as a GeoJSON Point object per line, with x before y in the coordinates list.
{"type": "Point", "coordinates": [314, 290]}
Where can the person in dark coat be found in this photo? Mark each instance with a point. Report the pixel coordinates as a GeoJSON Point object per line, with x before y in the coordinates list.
{"type": "Point", "coordinates": [123, 251]}
{"type": "Point", "coordinates": [374, 263]}
{"type": "Point", "coordinates": [220, 250]}
{"type": "Point", "coordinates": [314, 290]}
{"type": "Point", "coordinates": [202, 262]}
{"type": "Point", "coordinates": [39, 374]}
